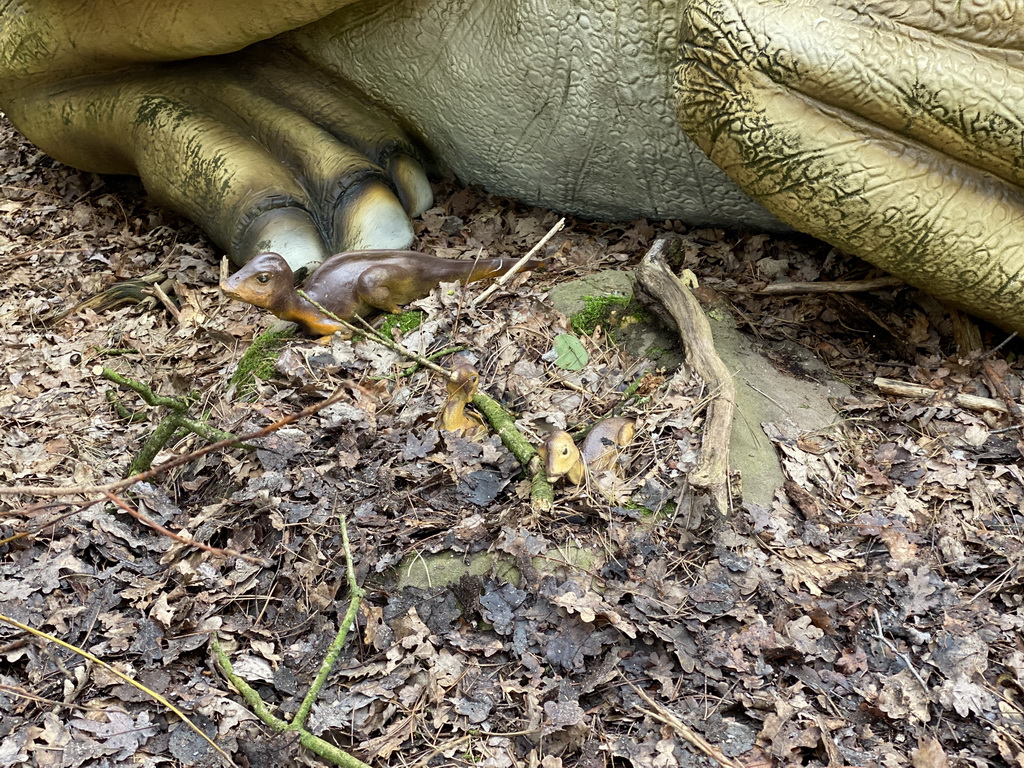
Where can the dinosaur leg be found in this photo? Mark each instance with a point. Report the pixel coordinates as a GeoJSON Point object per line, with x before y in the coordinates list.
{"type": "Point", "coordinates": [892, 130]}
{"type": "Point", "coordinates": [257, 151]}
{"type": "Point", "coordinates": [45, 41]}
{"type": "Point", "coordinates": [254, 171]}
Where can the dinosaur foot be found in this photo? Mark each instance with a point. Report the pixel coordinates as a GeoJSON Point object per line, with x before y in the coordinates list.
{"type": "Point", "coordinates": [254, 147]}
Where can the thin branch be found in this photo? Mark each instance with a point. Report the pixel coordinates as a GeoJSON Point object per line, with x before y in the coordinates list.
{"type": "Point", "coordinates": [126, 507]}
{"type": "Point", "coordinates": [661, 714]}
{"type": "Point", "coordinates": [835, 286]}
{"type": "Point", "coordinates": [355, 597]}
{"type": "Point", "coordinates": [262, 711]}
{"type": "Point", "coordinates": [481, 299]}
{"type": "Point", "coordinates": [999, 346]}
{"type": "Point", "coordinates": [918, 392]}
{"type": "Point", "coordinates": [144, 391]}
{"type": "Point", "coordinates": [998, 385]}
{"type": "Point", "coordinates": [315, 744]}
{"type": "Point", "coordinates": [114, 671]}
{"type": "Point", "coordinates": [90, 490]}
{"type": "Point", "coordinates": [902, 656]}
{"type": "Point", "coordinates": [159, 292]}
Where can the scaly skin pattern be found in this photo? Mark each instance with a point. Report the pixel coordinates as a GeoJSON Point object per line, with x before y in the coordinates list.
{"type": "Point", "coordinates": [891, 129]}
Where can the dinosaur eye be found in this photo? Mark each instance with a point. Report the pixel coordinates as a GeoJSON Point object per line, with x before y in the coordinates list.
{"type": "Point", "coordinates": [262, 278]}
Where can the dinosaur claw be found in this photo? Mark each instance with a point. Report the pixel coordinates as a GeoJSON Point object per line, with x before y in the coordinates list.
{"type": "Point", "coordinates": [289, 231]}
{"type": "Point", "coordinates": [371, 216]}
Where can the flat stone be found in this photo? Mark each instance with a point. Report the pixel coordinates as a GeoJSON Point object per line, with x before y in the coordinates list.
{"type": "Point", "coordinates": [568, 297]}
{"type": "Point", "coordinates": [764, 394]}
{"type": "Point", "coordinates": [655, 341]}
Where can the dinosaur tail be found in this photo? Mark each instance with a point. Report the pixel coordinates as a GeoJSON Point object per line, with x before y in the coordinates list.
{"type": "Point", "coordinates": [487, 268]}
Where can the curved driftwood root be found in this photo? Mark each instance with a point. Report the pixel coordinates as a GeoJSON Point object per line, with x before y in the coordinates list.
{"type": "Point", "coordinates": [659, 282]}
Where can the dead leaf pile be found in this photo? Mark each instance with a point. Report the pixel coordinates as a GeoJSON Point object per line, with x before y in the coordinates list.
{"type": "Point", "coordinates": [871, 616]}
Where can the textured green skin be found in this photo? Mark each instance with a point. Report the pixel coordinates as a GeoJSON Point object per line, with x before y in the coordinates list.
{"type": "Point", "coordinates": [896, 134]}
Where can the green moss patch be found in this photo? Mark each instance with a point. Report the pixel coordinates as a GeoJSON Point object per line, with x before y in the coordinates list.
{"type": "Point", "coordinates": [609, 312]}
{"type": "Point", "coordinates": [258, 361]}
{"type": "Point", "coordinates": [403, 321]}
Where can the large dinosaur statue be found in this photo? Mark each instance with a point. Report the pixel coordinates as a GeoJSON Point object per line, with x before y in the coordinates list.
{"type": "Point", "coordinates": [891, 129]}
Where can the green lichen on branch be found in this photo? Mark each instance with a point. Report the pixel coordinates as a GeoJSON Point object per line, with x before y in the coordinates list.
{"type": "Point", "coordinates": [169, 426]}
{"type": "Point", "coordinates": [315, 744]}
{"type": "Point", "coordinates": [542, 495]}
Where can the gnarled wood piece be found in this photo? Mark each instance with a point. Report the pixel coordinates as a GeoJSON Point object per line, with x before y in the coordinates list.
{"type": "Point", "coordinates": [660, 283]}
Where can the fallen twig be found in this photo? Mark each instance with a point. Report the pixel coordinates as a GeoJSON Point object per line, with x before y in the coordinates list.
{"type": "Point", "coordinates": [917, 392]}
{"type": "Point", "coordinates": [322, 748]}
{"type": "Point", "coordinates": [165, 430]}
{"type": "Point", "coordinates": [161, 294]}
{"type": "Point", "coordinates": [114, 671]}
{"type": "Point", "coordinates": [658, 281]}
{"type": "Point", "coordinates": [995, 350]}
{"type": "Point", "coordinates": [834, 286]}
{"type": "Point", "coordinates": [661, 714]}
{"type": "Point", "coordinates": [149, 474]}
{"type": "Point", "coordinates": [998, 385]}
{"type": "Point", "coordinates": [901, 656]}
{"type": "Point", "coordinates": [482, 298]}
{"type": "Point", "coordinates": [127, 508]}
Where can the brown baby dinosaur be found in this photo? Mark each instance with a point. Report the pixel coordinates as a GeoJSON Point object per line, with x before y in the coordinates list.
{"type": "Point", "coordinates": [352, 284]}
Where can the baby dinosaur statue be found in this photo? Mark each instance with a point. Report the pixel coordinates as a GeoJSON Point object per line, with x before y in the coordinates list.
{"type": "Point", "coordinates": [353, 284]}
{"type": "Point", "coordinates": [453, 416]}
{"type": "Point", "coordinates": [599, 451]}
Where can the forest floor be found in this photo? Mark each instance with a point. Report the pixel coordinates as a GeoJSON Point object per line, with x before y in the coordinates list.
{"type": "Point", "coordinates": [871, 615]}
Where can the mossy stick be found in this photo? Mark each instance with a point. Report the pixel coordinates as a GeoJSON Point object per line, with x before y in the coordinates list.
{"type": "Point", "coordinates": [178, 461]}
{"type": "Point", "coordinates": [144, 391]}
{"type": "Point", "coordinates": [122, 411]}
{"type": "Point", "coordinates": [542, 495]}
{"type": "Point", "coordinates": [259, 708]}
{"type": "Point", "coordinates": [263, 712]}
{"type": "Point", "coordinates": [504, 425]}
{"type": "Point", "coordinates": [157, 439]}
{"type": "Point", "coordinates": [165, 429]}
{"type": "Point", "coordinates": [355, 597]}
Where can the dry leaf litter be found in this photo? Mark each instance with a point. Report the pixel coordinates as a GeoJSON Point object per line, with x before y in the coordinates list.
{"type": "Point", "coordinates": [871, 617]}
